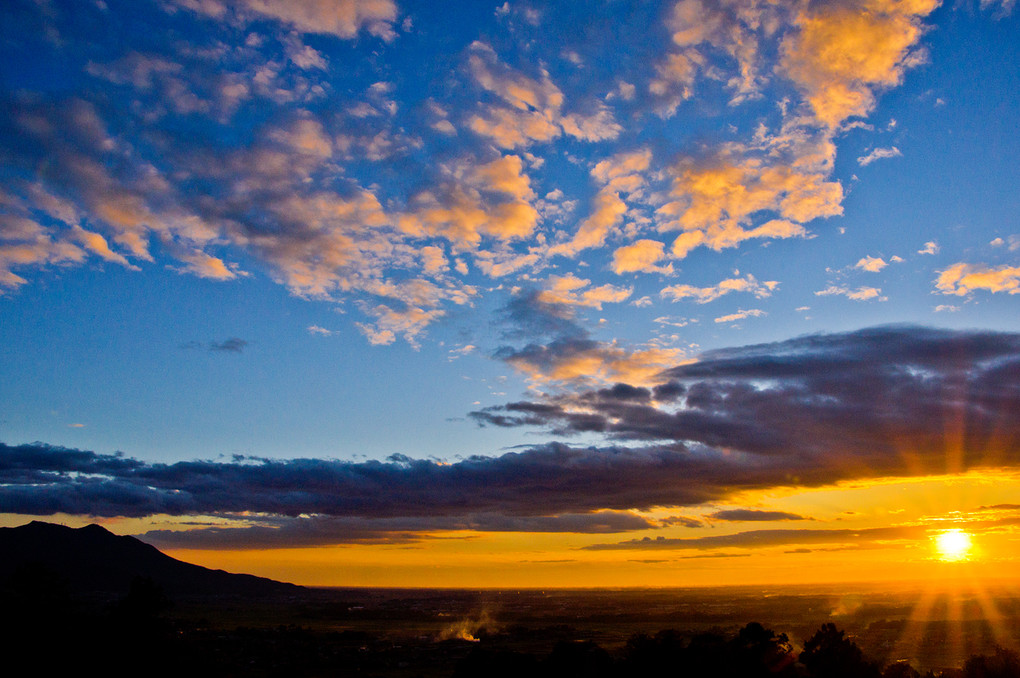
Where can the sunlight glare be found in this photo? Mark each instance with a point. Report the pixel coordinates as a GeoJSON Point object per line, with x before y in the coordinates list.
{"type": "Point", "coordinates": [952, 545]}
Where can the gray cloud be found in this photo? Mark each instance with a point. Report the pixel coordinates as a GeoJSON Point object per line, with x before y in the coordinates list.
{"type": "Point", "coordinates": [751, 515]}
{"type": "Point", "coordinates": [231, 345]}
{"type": "Point", "coordinates": [318, 530]}
{"type": "Point", "coordinates": [764, 538]}
{"type": "Point", "coordinates": [817, 403]}
{"type": "Point", "coordinates": [892, 401]}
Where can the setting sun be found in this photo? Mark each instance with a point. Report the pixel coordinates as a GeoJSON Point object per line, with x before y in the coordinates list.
{"type": "Point", "coordinates": [953, 545]}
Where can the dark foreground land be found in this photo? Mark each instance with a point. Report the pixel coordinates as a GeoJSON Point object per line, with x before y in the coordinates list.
{"type": "Point", "coordinates": [372, 632]}
{"type": "Point", "coordinates": [151, 617]}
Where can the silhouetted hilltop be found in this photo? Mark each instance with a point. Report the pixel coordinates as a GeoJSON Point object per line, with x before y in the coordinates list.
{"type": "Point", "coordinates": [94, 559]}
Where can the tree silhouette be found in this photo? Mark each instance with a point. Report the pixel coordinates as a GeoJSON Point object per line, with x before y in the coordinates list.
{"type": "Point", "coordinates": [830, 654]}
{"type": "Point", "coordinates": [1003, 664]}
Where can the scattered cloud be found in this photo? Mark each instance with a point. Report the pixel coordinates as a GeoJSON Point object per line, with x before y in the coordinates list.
{"type": "Point", "coordinates": [231, 345]}
{"type": "Point", "coordinates": [559, 349]}
{"type": "Point", "coordinates": [641, 256]}
{"type": "Point", "coordinates": [859, 294]}
{"type": "Point", "coordinates": [703, 295]}
{"type": "Point", "coordinates": [871, 264]}
{"type": "Point", "coordinates": [741, 315]}
{"type": "Point", "coordinates": [879, 154]}
{"type": "Point", "coordinates": [342, 18]}
{"type": "Point", "coordinates": [573, 291]}
{"type": "Point", "coordinates": [963, 279]}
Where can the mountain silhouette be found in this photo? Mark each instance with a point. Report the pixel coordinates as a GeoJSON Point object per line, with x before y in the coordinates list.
{"type": "Point", "coordinates": [93, 559]}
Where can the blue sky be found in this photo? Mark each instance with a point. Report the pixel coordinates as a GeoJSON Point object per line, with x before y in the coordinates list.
{"type": "Point", "coordinates": [335, 230]}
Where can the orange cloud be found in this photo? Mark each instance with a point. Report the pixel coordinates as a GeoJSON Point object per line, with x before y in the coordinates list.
{"type": "Point", "coordinates": [871, 264]}
{"type": "Point", "coordinates": [842, 52]}
{"type": "Point", "coordinates": [620, 174]}
{"type": "Point", "coordinates": [569, 290]}
{"type": "Point", "coordinates": [716, 197]}
{"type": "Point", "coordinates": [642, 255]}
{"type": "Point", "coordinates": [962, 279]}
{"type": "Point", "coordinates": [531, 109]}
{"type": "Point", "coordinates": [491, 199]}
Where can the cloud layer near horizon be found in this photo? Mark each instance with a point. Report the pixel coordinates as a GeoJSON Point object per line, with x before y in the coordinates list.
{"type": "Point", "coordinates": [811, 411]}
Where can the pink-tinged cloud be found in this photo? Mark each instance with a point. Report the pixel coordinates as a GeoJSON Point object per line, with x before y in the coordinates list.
{"type": "Point", "coordinates": [859, 294]}
{"type": "Point", "coordinates": [343, 18]}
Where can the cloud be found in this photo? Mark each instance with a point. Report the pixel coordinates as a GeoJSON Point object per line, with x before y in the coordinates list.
{"type": "Point", "coordinates": [24, 242]}
{"type": "Point", "coordinates": [886, 401]}
{"type": "Point", "coordinates": [859, 294]}
{"type": "Point", "coordinates": [529, 109]}
{"type": "Point", "coordinates": [409, 323]}
{"type": "Point", "coordinates": [770, 538]}
{"type": "Point", "coordinates": [231, 345]}
{"type": "Point", "coordinates": [97, 244]}
{"type": "Point", "coordinates": [807, 412]}
{"type": "Point", "coordinates": [843, 52]}
{"type": "Point", "coordinates": [930, 247]}
{"type": "Point", "coordinates": [715, 197]}
{"type": "Point", "coordinates": [641, 256]}
{"type": "Point", "coordinates": [343, 18]}
{"type": "Point", "coordinates": [319, 530]}
{"type": "Point", "coordinates": [879, 154]}
{"type": "Point", "coordinates": [871, 264]}
{"type": "Point", "coordinates": [619, 176]}
{"type": "Point", "coordinates": [700, 30]}
{"type": "Point", "coordinates": [559, 349]}
{"type": "Point", "coordinates": [703, 295]}
{"type": "Point", "coordinates": [474, 201]}
{"type": "Point", "coordinates": [963, 279]}
{"type": "Point", "coordinates": [573, 291]}
{"type": "Point", "coordinates": [751, 515]}
{"type": "Point", "coordinates": [321, 331]}
{"type": "Point", "coordinates": [741, 315]}
{"type": "Point", "coordinates": [1013, 242]}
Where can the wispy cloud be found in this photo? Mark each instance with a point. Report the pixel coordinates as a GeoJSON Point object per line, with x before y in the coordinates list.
{"type": "Point", "coordinates": [879, 154]}
{"type": "Point", "coordinates": [231, 345]}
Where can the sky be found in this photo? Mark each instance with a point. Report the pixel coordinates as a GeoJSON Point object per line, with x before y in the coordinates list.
{"type": "Point", "coordinates": [378, 292]}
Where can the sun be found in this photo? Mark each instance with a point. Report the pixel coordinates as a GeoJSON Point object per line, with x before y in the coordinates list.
{"type": "Point", "coordinates": [952, 545]}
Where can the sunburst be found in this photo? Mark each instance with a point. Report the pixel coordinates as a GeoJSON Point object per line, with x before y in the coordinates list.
{"type": "Point", "coordinates": [953, 546]}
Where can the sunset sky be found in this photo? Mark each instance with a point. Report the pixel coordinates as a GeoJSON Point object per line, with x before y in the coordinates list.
{"type": "Point", "coordinates": [380, 292]}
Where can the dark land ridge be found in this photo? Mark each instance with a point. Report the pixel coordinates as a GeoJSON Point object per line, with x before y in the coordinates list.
{"type": "Point", "coordinates": [85, 601]}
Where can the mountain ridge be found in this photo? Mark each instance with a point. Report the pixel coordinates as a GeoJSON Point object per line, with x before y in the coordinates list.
{"type": "Point", "coordinates": [93, 559]}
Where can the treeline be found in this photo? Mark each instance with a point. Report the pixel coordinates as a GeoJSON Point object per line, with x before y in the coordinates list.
{"type": "Point", "coordinates": [753, 652]}
{"type": "Point", "coordinates": [47, 631]}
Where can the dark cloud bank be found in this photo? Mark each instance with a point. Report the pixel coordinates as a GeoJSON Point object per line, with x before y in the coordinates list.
{"type": "Point", "coordinates": [889, 401]}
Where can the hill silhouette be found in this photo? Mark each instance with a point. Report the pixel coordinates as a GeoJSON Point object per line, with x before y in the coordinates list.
{"type": "Point", "coordinates": [93, 559]}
